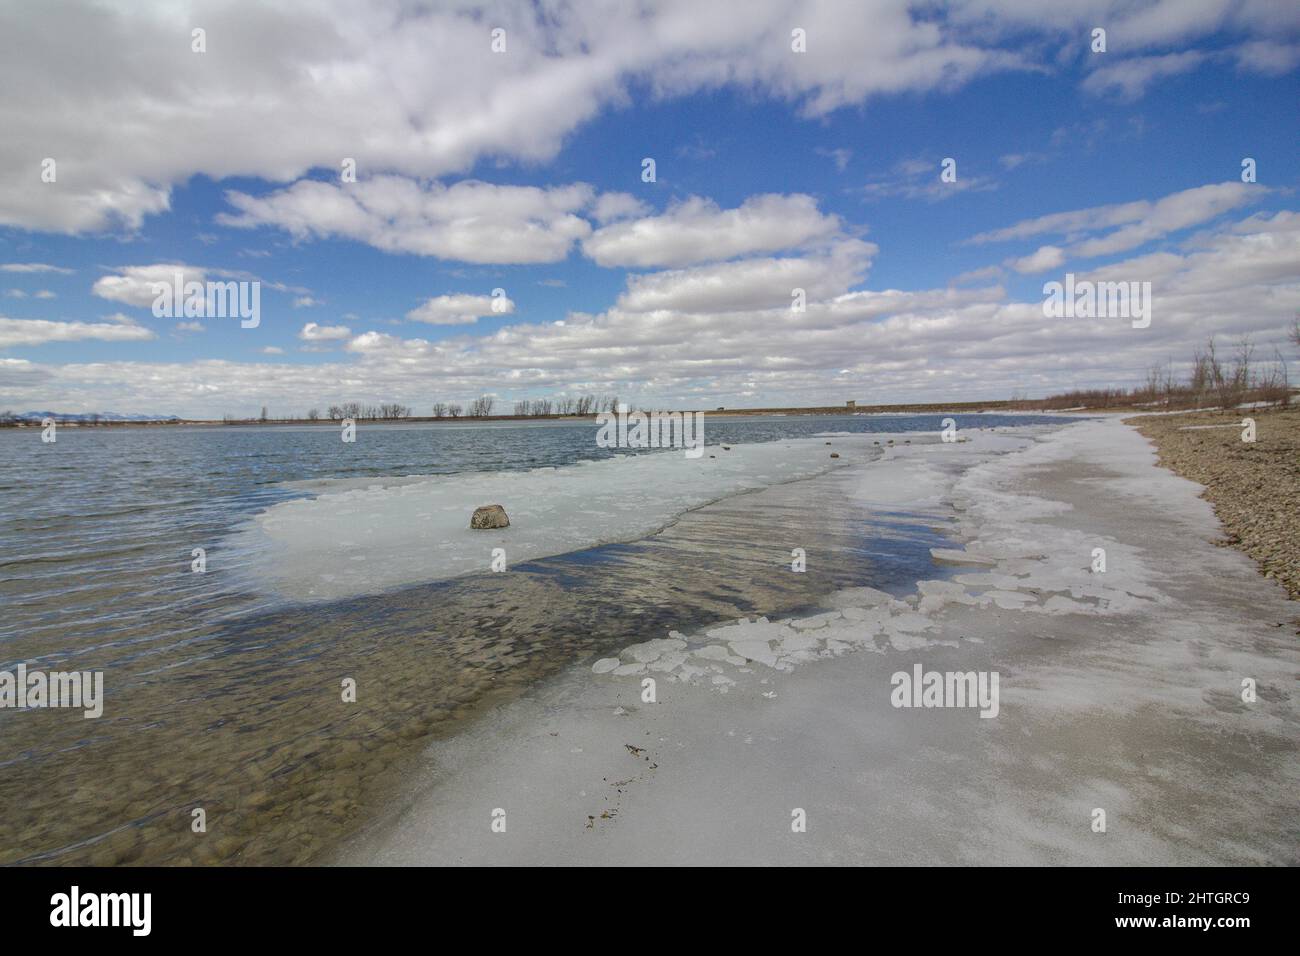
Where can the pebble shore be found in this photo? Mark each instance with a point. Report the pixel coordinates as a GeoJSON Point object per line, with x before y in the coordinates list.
{"type": "Point", "coordinates": [1254, 487]}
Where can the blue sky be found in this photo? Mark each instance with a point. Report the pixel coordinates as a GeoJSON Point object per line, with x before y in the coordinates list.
{"type": "Point", "coordinates": [834, 165]}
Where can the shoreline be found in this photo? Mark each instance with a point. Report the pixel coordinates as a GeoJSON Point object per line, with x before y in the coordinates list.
{"type": "Point", "coordinates": [1119, 692]}
{"type": "Point", "coordinates": [998, 407]}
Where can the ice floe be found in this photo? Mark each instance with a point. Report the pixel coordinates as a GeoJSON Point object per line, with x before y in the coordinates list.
{"type": "Point", "coordinates": [357, 537]}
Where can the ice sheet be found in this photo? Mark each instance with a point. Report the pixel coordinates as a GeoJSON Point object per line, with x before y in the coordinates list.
{"type": "Point", "coordinates": [365, 536]}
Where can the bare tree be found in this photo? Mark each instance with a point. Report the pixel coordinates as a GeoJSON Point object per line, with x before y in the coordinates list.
{"type": "Point", "coordinates": [1230, 381]}
{"type": "Point", "coordinates": [1273, 384]}
{"type": "Point", "coordinates": [1201, 377]}
{"type": "Point", "coordinates": [453, 410]}
{"type": "Point", "coordinates": [1169, 384]}
{"type": "Point", "coordinates": [439, 409]}
{"type": "Point", "coordinates": [1151, 389]}
{"type": "Point", "coordinates": [481, 407]}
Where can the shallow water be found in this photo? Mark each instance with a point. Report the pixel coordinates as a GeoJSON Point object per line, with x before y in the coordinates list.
{"type": "Point", "coordinates": [220, 697]}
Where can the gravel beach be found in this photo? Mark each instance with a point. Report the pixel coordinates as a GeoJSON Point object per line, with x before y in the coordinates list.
{"type": "Point", "coordinates": [1254, 486]}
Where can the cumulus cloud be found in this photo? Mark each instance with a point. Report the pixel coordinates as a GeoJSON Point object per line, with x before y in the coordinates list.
{"type": "Point", "coordinates": [764, 283]}
{"type": "Point", "coordinates": [1040, 260]}
{"type": "Point", "coordinates": [613, 206]}
{"type": "Point", "coordinates": [15, 332]}
{"type": "Point", "coordinates": [469, 221]}
{"type": "Point", "coordinates": [696, 230]}
{"type": "Point", "coordinates": [299, 85]}
{"type": "Point", "coordinates": [134, 285]}
{"type": "Point", "coordinates": [311, 332]}
{"type": "Point", "coordinates": [415, 89]}
{"type": "Point", "coordinates": [460, 309]}
{"type": "Point", "coordinates": [884, 345]}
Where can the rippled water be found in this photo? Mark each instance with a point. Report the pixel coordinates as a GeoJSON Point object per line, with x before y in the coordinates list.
{"type": "Point", "coordinates": [218, 698]}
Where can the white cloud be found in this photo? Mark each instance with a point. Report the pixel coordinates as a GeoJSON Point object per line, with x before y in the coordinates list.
{"type": "Point", "coordinates": [919, 178]}
{"type": "Point", "coordinates": [378, 343]}
{"type": "Point", "coordinates": [14, 332]}
{"type": "Point", "coordinates": [1130, 224]}
{"type": "Point", "coordinates": [1129, 79]}
{"type": "Point", "coordinates": [134, 285]}
{"type": "Point", "coordinates": [696, 231]}
{"type": "Point", "coordinates": [1130, 26]}
{"type": "Point", "coordinates": [311, 332]}
{"type": "Point", "coordinates": [1010, 161]}
{"type": "Point", "coordinates": [459, 309]}
{"type": "Point", "coordinates": [45, 294]}
{"type": "Point", "coordinates": [304, 302]}
{"type": "Point", "coordinates": [32, 267]}
{"type": "Point", "coordinates": [1268, 57]}
{"type": "Point", "coordinates": [468, 221]}
{"type": "Point", "coordinates": [414, 90]}
{"type": "Point", "coordinates": [840, 157]}
{"type": "Point", "coordinates": [895, 345]}
{"type": "Point", "coordinates": [1042, 259]}
{"type": "Point", "coordinates": [764, 283]}
{"type": "Point", "coordinates": [610, 207]}
{"type": "Point", "coordinates": [984, 274]}
{"type": "Point", "coordinates": [189, 326]}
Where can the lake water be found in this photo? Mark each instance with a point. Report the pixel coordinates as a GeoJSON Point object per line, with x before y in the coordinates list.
{"type": "Point", "coordinates": [225, 697]}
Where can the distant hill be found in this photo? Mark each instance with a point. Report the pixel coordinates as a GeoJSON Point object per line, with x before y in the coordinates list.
{"type": "Point", "coordinates": [93, 416]}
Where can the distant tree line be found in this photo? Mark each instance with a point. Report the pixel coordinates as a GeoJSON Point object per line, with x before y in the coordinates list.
{"type": "Point", "coordinates": [1224, 380]}
{"type": "Point", "coordinates": [388, 411]}
{"type": "Point", "coordinates": [483, 406]}
{"type": "Point", "coordinates": [568, 405]}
